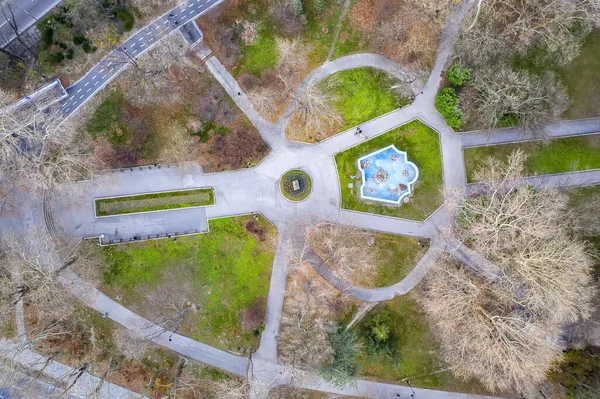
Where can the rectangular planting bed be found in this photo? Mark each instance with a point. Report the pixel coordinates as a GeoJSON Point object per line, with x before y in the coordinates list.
{"type": "Point", "coordinates": [154, 202]}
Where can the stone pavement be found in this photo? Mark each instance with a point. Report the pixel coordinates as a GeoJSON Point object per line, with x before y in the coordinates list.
{"type": "Point", "coordinates": [257, 190]}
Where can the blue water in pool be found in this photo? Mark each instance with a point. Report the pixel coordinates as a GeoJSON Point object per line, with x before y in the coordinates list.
{"type": "Point", "coordinates": [388, 176]}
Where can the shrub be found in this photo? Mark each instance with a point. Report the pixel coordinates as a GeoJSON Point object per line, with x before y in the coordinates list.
{"type": "Point", "coordinates": [62, 45]}
{"type": "Point", "coordinates": [79, 40]}
{"type": "Point", "coordinates": [458, 74]}
{"type": "Point", "coordinates": [579, 373]}
{"type": "Point", "coordinates": [70, 54]}
{"type": "Point", "coordinates": [319, 6]}
{"type": "Point", "coordinates": [57, 57]}
{"type": "Point", "coordinates": [447, 104]}
{"type": "Point", "coordinates": [222, 130]}
{"type": "Point", "coordinates": [127, 18]}
{"type": "Point", "coordinates": [202, 134]}
{"type": "Point", "coordinates": [87, 47]}
{"type": "Point", "coordinates": [509, 120]}
{"type": "Point", "coordinates": [48, 36]}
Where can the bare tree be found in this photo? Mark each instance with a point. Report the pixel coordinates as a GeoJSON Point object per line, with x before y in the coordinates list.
{"type": "Point", "coordinates": [38, 267]}
{"type": "Point", "coordinates": [535, 101]}
{"type": "Point", "coordinates": [349, 251]}
{"type": "Point", "coordinates": [314, 109]}
{"type": "Point", "coordinates": [505, 331]}
{"type": "Point", "coordinates": [525, 231]}
{"type": "Point", "coordinates": [148, 74]}
{"type": "Point", "coordinates": [483, 331]}
{"type": "Point", "coordinates": [265, 99]}
{"type": "Point", "coordinates": [289, 69]}
{"type": "Point", "coordinates": [36, 143]}
{"type": "Point", "coordinates": [232, 388]}
{"type": "Point", "coordinates": [292, 61]}
{"type": "Point", "coordinates": [284, 15]}
{"type": "Point", "coordinates": [8, 11]}
{"type": "Point", "coordinates": [305, 323]}
{"type": "Point", "coordinates": [502, 26]}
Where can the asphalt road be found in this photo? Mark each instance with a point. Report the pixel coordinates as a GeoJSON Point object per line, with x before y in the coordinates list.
{"type": "Point", "coordinates": [103, 72]}
{"type": "Point", "coordinates": [26, 13]}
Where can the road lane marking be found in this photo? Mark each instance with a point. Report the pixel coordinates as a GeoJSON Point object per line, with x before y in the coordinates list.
{"type": "Point", "coordinates": [94, 77]}
{"type": "Point", "coordinates": [86, 83]}
{"type": "Point", "coordinates": [102, 70]}
{"type": "Point", "coordinates": [79, 90]}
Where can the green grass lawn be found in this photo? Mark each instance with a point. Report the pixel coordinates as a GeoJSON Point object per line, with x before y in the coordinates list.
{"type": "Point", "coordinates": [350, 41]}
{"type": "Point", "coordinates": [422, 145]}
{"type": "Point", "coordinates": [261, 54]}
{"type": "Point", "coordinates": [581, 76]}
{"type": "Point", "coordinates": [318, 34]}
{"type": "Point", "coordinates": [414, 349]}
{"type": "Point", "coordinates": [155, 202]}
{"type": "Point", "coordinates": [107, 119]}
{"type": "Point", "coordinates": [224, 272]}
{"type": "Point", "coordinates": [363, 94]}
{"type": "Point", "coordinates": [580, 199]}
{"type": "Point", "coordinates": [397, 256]}
{"type": "Point", "coordinates": [555, 156]}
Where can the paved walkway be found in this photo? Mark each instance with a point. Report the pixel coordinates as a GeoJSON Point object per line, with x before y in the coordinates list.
{"type": "Point", "coordinates": [257, 190]}
{"type": "Point", "coordinates": [21, 14]}
{"type": "Point", "coordinates": [84, 386]}
{"type": "Point", "coordinates": [509, 135]}
{"type": "Point", "coordinates": [561, 181]}
{"type": "Point", "coordinates": [375, 294]}
{"type": "Point", "coordinates": [144, 328]}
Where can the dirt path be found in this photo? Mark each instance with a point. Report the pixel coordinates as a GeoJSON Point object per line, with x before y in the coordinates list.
{"type": "Point", "coordinates": [338, 28]}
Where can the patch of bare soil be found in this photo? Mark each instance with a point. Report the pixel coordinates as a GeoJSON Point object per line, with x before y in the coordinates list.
{"type": "Point", "coordinates": [258, 232]}
{"type": "Point", "coordinates": [219, 32]}
{"type": "Point", "coordinates": [243, 147]}
{"type": "Point", "coordinates": [253, 317]}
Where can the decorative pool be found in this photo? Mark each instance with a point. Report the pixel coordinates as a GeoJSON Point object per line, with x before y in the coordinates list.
{"type": "Point", "coordinates": [387, 175]}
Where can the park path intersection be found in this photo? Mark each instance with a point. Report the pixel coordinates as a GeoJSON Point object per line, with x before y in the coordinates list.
{"type": "Point", "coordinates": [257, 190]}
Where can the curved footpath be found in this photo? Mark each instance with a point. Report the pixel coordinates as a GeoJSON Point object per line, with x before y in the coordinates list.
{"type": "Point", "coordinates": [354, 61]}
{"type": "Point", "coordinates": [256, 190]}
{"type": "Point", "coordinates": [375, 294]}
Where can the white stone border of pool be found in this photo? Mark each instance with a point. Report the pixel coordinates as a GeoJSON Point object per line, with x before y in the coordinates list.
{"type": "Point", "coordinates": [364, 180]}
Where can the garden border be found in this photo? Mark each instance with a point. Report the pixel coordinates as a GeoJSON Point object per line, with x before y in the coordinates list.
{"type": "Point", "coordinates": [158, 210]}
{"type": "Point", "coordinates": [281, 191]}
{"type": "Point", "coordinates": [464, 163]}
{"type": "Point", "coordinates": [377, 135]}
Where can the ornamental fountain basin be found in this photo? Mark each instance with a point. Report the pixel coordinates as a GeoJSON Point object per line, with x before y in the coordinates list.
{"type": "Point", "coordinates": [387, 175]}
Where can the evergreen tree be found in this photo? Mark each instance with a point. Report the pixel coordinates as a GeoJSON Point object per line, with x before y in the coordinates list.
{"type": "Point", "coordinates": [298, 8]}
{"type": "Point", "coordinates": [319, 6]}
